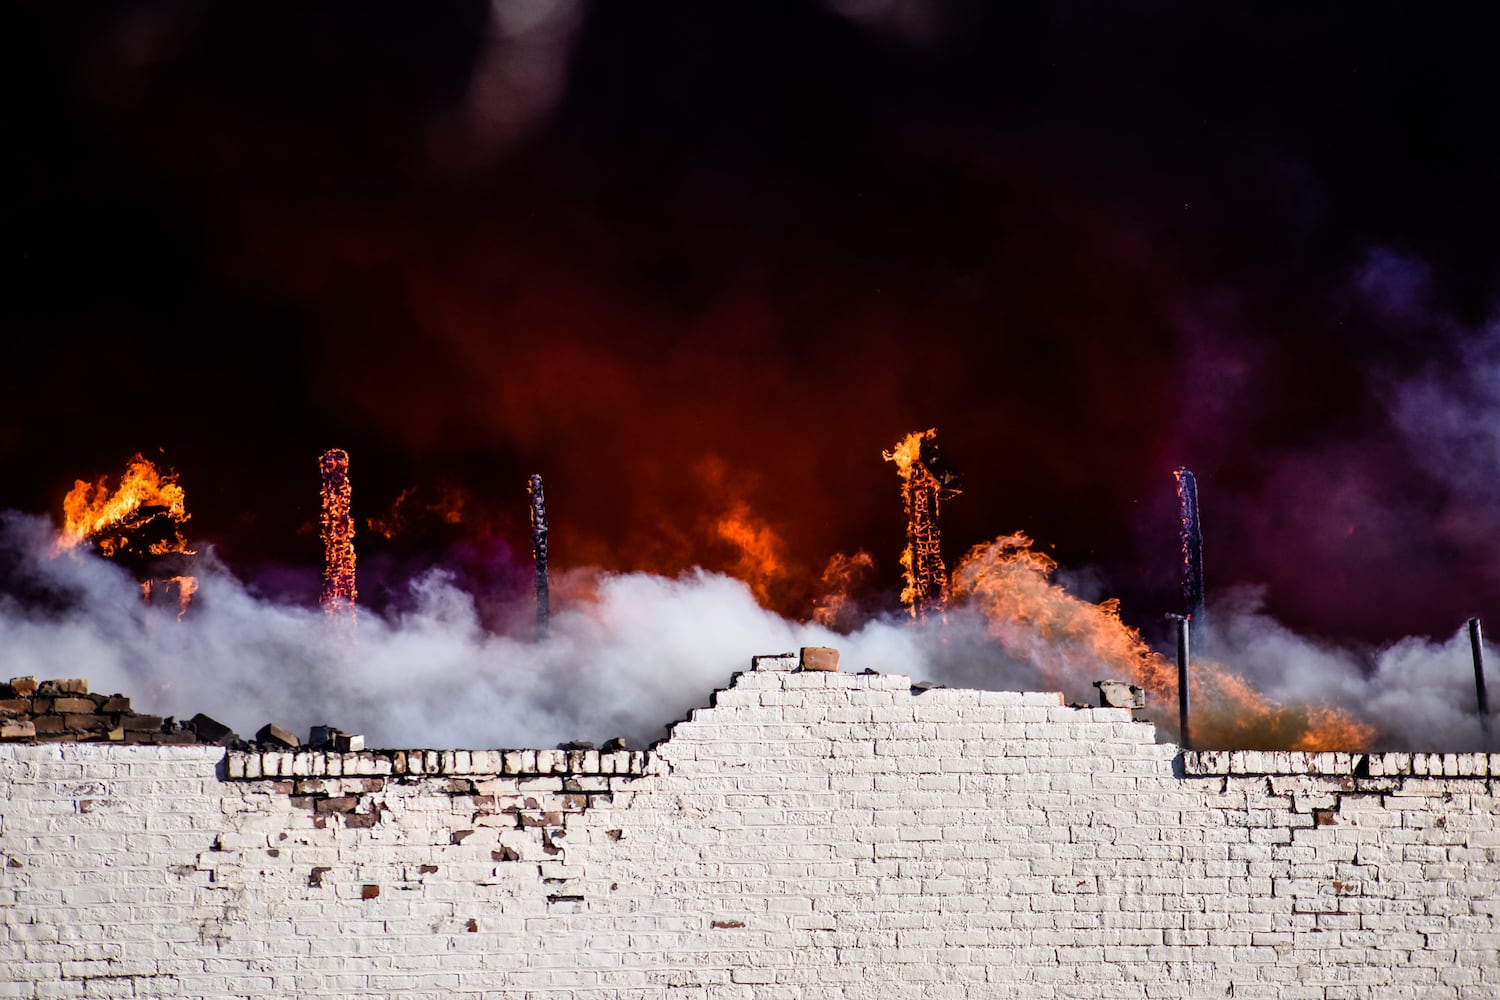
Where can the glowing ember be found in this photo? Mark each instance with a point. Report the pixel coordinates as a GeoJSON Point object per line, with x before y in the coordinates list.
{"type": "Point", "coordinates": [338, 535]}
{"type": "Point", "coordinates": [924, 482]}
{"type": "Point", "coordinates": [1070, 640]}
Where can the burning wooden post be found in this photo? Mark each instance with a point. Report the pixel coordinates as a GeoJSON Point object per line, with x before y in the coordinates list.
{"type": "Point", "coordinates": [1182, 680]}
{"type": "Point", "coordinates": [925, 481]}
{"type": "Point", "coordinates": [539, 552]}
{"type": "Point", "coordinates": [338, 535]}
{"type": "Point", "coordinates": [1192, 550]}
{"type": "Point", "coordinates": [1476, 645]}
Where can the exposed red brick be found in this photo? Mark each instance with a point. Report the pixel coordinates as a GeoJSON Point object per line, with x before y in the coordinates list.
{"type": "Point", "coordinates": [76, 706]}
{"type": "Point", "coordinates": [369, 892]}
{"type": "Point", "coordinates": [819, 658]}
{"type": "Point", "coordinates": [15, 706]}
{"type": "Point", "coordinates": [87, 723]}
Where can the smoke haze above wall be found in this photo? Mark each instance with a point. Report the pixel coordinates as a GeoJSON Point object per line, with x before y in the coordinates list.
{"type": "Point", "coordinates": [698, 263]}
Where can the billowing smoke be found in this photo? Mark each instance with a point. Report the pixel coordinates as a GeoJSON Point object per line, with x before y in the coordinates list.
{"type": "Point", "coordinates": [628, 653]}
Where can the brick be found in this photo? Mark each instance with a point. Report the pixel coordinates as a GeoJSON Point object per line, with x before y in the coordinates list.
{"type": "Point", "coordinates": [22, 687]}
{"type": "Point", "coordinates": [16, 729]}
{"type": "Point", "coordinates": [818, 658]}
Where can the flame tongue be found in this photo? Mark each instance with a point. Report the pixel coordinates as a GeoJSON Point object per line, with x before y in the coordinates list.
{"type": "Point", "coordinates": [1073, 643]}
{"type": "Point", "coordinates": [143, 517]}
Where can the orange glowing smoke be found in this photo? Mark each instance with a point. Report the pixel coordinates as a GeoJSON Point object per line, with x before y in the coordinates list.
{"type": "Point", "coordinates": [834, 606]}
{"type": "Point", "coordinates": [145, 499]}
{"type": "Point", "coordinates": [338, 535]}
{"type": "Point", "coordinates": [1070, 640]}
{"type": "Point", "coordinates": [922, 560]}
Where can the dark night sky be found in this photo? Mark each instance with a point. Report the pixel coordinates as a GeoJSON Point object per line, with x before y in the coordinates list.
{"type": "Point", "coordinates": [681, 257]}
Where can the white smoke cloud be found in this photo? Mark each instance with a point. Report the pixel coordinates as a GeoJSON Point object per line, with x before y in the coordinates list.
{"type": "Point", "coordinates": [638, 653]}
{"type": "Point", "coordinates": [641, 652]}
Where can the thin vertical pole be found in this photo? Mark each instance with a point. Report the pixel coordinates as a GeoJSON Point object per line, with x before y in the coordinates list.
{"type": "Point", "coordinates": [1182, 679]}
{"type": "Point", "coordinates": [1476, 644]}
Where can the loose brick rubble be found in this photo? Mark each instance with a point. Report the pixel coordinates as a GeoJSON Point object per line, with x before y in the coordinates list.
{"type": "Point", "coordinates": [63, 711]}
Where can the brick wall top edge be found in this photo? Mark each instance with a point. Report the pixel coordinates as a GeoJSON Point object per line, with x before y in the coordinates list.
{"type": "Point", "coordinates": [1213, 763]}
{"type": "Point", "coordinates": [252, 765]}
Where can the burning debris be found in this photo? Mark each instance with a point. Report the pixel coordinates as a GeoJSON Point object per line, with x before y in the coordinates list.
{"type": "Point", "coordinates": [539, 553]}
{"type": "Point", "coordinates": [338, 536]}
{"type": "Point", "coordinates": [925, 481]}
{"type": "Point", "coordinates": [138, 526]}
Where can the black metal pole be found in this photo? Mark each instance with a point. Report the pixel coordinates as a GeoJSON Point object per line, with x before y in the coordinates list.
{"type": "Point", "coordinates": [1476, 643]}
{"type": "Point", "coordinates": [1182, 679]}
{"type": "Point", "coordinates": [539, 550]}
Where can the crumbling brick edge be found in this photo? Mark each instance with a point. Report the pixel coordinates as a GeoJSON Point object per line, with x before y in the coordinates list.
{"type": "Point", "coordinates": [1250, 763]}
{"type": "Point", "coordinates": [255, 765]}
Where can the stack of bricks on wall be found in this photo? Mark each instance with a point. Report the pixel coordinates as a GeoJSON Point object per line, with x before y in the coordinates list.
{"type": "Point", "coordinates": [63, 711]}
{"type": "Point", "coordinates": [810, 834]}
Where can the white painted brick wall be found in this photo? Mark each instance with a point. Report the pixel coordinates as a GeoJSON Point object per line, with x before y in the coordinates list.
{"type": "Point", "coordinates": [812, 835]}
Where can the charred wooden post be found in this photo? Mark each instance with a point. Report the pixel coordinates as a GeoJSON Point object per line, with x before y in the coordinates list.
{"type": "Point", "coordinates": [1476, 645]}
{"type": "Point", "coordinates": [539, 552]}
{"type": "Point", "coordinates": [1192, 550]}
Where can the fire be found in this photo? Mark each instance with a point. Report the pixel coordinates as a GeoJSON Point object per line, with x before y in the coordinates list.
{"type": "Point", "coordinates": [1035, 620]}
{"type": "Point", "coordinates": [147, 501]}
{"type": "Point", "coordinates": [924, 482]}
{"type": "Point", "coordinates": [184, 587]}
{"type": "Point", "coordinates": [834, 606]}
{"type": "Point", "coordinates": [759, 561]}
{"type": "Point", "coordinates": [338, 534]}
{"type": "Point", "coordinates": [139, 524]}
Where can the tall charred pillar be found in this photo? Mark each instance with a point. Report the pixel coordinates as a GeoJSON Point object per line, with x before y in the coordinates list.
{"type": "Point", "coordinates": [1192, 551]}
{"type": "Point", "coordinates": [338, 535]}
{"type": "Point", "coordinates": [539, 551]}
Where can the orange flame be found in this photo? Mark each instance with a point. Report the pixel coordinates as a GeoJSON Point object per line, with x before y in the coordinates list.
{"type": "Point", "coordinates": [1070, 640]}
{"type": "Point", "coordinates": [91, 512]}
{"type": "Point", "coordinates": [139, 521]}
{"type": "Point", "coordinates": [922, 560]}
{"type": "Point", "coordinates": [759, 549]}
